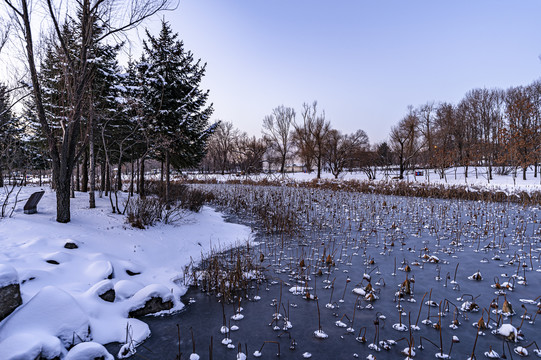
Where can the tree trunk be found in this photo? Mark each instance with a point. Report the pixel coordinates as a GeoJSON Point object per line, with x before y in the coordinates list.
{"type": "Point", "coordinates": [102, 177]}
{"type": "Point", "coordinates": [524, 173]}
{"type": "Point", "coordinates": [92, 193]}
{"type": "Point", "coordinates": [77, 178]}
{"type": "Point", "coordinates": [142, 178]}
{"type": "Point", "coordinates": [84, 180]}
{"type": "Point", "coordinates": [72, 187]}
{"type": "Point", "coordinates": [107, 178]}
{"type": "Point", "coordinates": [319, 167]}
{"type": "Point", "coordinates": [62, 181]}
{"type": "Point", "coordinates": [167, 179]}
{"type": "Point", "coordinates": [132, 175]}
{"type": "Point", "coordinates": [119, 173]}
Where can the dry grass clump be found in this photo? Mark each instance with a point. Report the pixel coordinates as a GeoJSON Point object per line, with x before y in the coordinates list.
{"type": "Point", "coordinates": [228, 274]}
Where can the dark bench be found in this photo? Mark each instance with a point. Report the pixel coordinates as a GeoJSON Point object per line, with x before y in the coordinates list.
{"type": "Point", "coordinates": [31, 206]}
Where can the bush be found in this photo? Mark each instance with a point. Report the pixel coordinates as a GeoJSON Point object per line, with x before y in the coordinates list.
{"type": "Point", "coordinates": [143, 212]}
{"type": "Point", "coordinates": [182, 195]}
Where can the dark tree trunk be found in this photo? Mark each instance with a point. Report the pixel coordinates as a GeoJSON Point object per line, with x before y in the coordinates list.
{"type": "Point", "coordinates": [84, 168]}
{"type": "Point", "coordinates": [102, 177]}
{"type": "Point", "coordinates": [161, 179]}
{"type": "Point", "coordinates": [283, 165]}
{"type": "Point", "coordinates": [142, 179]}
{"type": "Point", "coordinates": [119, 180]}
{"type": "Point", "coordinates": [72, 187]}
{"type": "Point", "coordinates": [524, 173]}
{"type": "Point", "coordinates": [62, 180]}
{"type": "Point", "coordinates": [132, 176]}
{"type": "Point", "coordinates": [107, 179]}
{"type": "Point", "coordinates": [77, 178]}
{"type": "Point", "coordinates": [167, 179]}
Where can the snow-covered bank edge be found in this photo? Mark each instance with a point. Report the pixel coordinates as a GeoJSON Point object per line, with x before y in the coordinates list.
{"type": "Point", "coordinates": [527, 195]}
{"type": "Point", "coordinates": [110, 256]}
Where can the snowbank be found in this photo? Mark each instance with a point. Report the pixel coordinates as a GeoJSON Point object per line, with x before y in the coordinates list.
{"type": "Point", "coordinates": [62, 286]}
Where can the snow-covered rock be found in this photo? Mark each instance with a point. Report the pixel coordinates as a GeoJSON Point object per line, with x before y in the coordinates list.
{"type": "Point", "coordinates": [150, 299]}
{"type": "Point", "coordinates": [125, 289]}
{"type": "Point", "coordinates": [51, 312]}
{"type": "Point", "coordinates": [10, 293]}
{"type": "Point", "coordinates": [88, 350]}
{"type": "Point", "coordinates": [8, 275]}
{"type": "Point", "coordinates": [31, 345]}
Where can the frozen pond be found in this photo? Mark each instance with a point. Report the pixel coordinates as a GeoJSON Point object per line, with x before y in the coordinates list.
{"type": "Point", "coordinates": [347, 275]}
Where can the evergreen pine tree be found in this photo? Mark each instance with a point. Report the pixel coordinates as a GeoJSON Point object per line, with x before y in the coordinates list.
{"type": "Point", "coordinates": [175, 105]}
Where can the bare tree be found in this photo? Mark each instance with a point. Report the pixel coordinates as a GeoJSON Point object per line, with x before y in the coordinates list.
{"type": "Point", "coordinates": [426, 120]}
{"type": "Point", "coordinates": [302, 136]}
{"type": "Point", "coordinates": [485, 116]}
{"type": "Point", "coordinates": [252, 151]}
{"type": "Point", "coordinates": [222, 145]}
{"type": "Point", "coordinates": [522, 145]}
{"type": "Point", "coordinates": [444, 143]}
{"type": "Point", "coordinates": [534, 91]}
{"type": "Point", "coordinates": [276, 130]}
{"type": "Point", "coordinates": [406, 141]}
{"type": "Point", "coordinates": [114, 19]}
{"type": "Point", "coordinates": [340, 148]}
{"type": "Point", "coordinates": [310, 137]}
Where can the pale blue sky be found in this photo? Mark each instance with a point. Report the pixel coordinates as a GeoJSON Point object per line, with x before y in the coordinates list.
{"type": "Point", "coordinates": [363, 61]}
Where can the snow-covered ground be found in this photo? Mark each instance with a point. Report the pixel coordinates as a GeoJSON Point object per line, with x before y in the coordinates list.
{"type": "Point", "coordinates": [61, 305]}
{"type": "Point", "coordinates": [477, 177]}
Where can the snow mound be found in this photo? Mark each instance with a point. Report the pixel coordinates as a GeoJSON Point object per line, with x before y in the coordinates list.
{"type": "Point", "coordinates": [51, 311]}
{"type": "Point", "coordinates": [99, 270]}
{"type": "Point", "coordinates": [8, 275]}
{"type": "Point", "coordinates": [125, 289]}
{"type": "Point", "coordinates": [31, 345]}
{"type": "Point", "coordinates": [88, 350]}
{"type": "Point", "coordinates": [140, 298]}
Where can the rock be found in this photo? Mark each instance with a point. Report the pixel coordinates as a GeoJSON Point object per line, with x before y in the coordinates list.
{"type": "Point", "coordinates": [153, 305]}
{"type": "Point", "coordinates": [109, 295]}
{"type": "Point", "coordinates": [10, 299]}
{"type": "Point", "coordinates": [131, 273]}
{"type": "Point", "coordinates": [53, 262]}
{"type": "Point", "coordinates": [104, 289]}
{"type": "Point", "coordinates": [10, 293]}
{"type": "Point", "coordinates": [150, 299]}
{"type": "Point", "coordinates": [71, 245]}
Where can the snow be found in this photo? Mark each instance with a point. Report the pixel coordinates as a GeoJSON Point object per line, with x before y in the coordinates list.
{"type": "Point", "coordinates": [477, 179]}
{"type": "Point", "coordinates": [88, 350]}
{"type": "Point", "coordinates": [61, 297]}
{"type": "Point", "coordinates": [8, 275]}
{"type": "Point", "coordinates": [51, 311]}
{"type": "Point", "coordinates": [508, 331]}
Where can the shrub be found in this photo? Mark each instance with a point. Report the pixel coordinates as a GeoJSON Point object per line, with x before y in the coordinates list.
{"type": "Point", "coordinates": [143, 212]}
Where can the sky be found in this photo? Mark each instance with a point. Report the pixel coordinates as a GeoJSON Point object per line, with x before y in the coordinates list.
{"type": "Point", "coordinates": [363, 61]}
